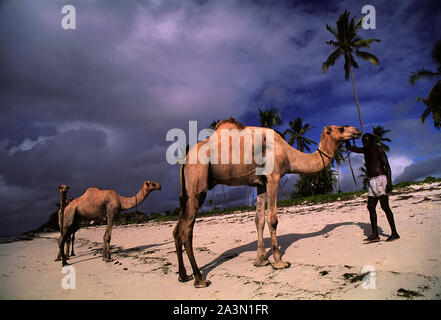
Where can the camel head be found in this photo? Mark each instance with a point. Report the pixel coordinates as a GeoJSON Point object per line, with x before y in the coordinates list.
{"type": "Point", "coordinates": [341, 133]}
{"type": "Point", "coordinates": [152, 185]}
{"type": "Point", "coordinates": [63, 188]}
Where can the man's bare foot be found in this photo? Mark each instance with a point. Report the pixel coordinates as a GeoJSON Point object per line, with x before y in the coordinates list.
{"type": "Point", "coordinates": [393, 237]}
{"type": "Point", "coordinates": [372, 238]}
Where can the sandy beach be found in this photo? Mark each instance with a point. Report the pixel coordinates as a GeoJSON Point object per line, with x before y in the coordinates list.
{"type": "Point", "coordinates": [323, 242]}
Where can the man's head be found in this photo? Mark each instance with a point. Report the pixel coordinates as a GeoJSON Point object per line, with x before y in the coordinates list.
{"type": "Point", "coordinates": [368, 140]}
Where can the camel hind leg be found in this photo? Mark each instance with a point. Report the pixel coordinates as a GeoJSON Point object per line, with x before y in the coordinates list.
{"type": "Point", "coordinates": [177, 235]}
{"type": "Point", "coordinates": [67, 245]}
{"type": "Point", "coordinates": [72, 253]}
{"type": "Point", "coordinates": [261, 259]}
{"type": "Point", "coordinates": [187, 237]}
{"type": "Point", "coordinates": [272, 186]}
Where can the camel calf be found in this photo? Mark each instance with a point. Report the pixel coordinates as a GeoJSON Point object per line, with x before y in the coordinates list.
{"type": "Point", "coordinates": [96, 203]}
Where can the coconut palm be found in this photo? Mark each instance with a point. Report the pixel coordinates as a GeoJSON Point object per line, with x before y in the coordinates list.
{"type": "Point", "coordinates": [338, 160]}
{"type": "Point", "coordinates": [433, 100]}
{"type": "Point", "coordinates": [296, 134]}
{"type": "Point", "coordinates": [379, 132]}
{"type": "Point", "coordinates": [347, 43]}
{"type": "Point", "coordinates": [269, 119]}
{"type": "Point", "coordinates": [363, 175]}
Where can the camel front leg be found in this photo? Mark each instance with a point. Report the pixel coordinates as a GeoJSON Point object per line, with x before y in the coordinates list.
{"type": "Point", "coordinates": [261, 260]}
{"type": "Point", "coordinates": [272, 221]}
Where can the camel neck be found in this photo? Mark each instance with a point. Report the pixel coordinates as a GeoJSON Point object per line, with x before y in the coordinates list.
{"type": "Point", "coordinates": [62, 200]}
{"type": "Point", "coordinates": [129, 203]}
{"type": "Point", "coordinates": [312, 162]}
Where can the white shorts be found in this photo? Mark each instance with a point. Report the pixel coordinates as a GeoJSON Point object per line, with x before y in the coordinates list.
{"type": "Point", "coordinates": [377, 186]}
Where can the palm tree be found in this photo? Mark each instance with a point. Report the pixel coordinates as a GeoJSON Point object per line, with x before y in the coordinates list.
{"type": "Point", "coordinates": [213, 126]}
{"type": "Point", "coordinates": [317, 183]}
{"type": "Point", "coordinates": [363, 175]}
{"type": "Point", "coordinates": [269, 119]}
{"type": "Point", "coordinates": [296, 131]}
{"type": "Point", "coordinates": [379, 133]}
{"type": "Point", "coordinates": [295, 134]}
{"type": "Point", "coordinates": [433, 100]}
{"type": "Point", "coordinates": [347, 43]}
{"type": "Point", "coordinates": [338, 160]}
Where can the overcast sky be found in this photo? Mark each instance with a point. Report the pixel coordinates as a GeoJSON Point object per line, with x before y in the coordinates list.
{"type": "Point", "coordinates": [92, 106]}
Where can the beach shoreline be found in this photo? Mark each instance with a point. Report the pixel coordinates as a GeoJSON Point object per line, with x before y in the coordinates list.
{"type": "Point", "coordinates": [323, 242]}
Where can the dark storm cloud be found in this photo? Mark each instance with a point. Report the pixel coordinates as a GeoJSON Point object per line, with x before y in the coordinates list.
{"type": "Point", "coordinates": [421, 170]}
{"type": "Point", "coordinates": [92, 106]}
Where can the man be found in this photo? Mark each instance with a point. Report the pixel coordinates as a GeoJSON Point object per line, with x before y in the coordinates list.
{"type": "Point", "coordinates": [380, 184]}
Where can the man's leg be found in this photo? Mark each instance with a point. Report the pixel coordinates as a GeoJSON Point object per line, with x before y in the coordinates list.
{"type": "Point", "coordinates": [372, 203]}
{"type": "Point", "coordinates": [384, 202]}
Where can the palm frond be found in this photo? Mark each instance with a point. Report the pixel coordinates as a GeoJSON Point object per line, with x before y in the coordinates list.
{"type": "Point", "coordinates": [367, 57]}
{"type": "Point", "coordinates": [331, 60]}
{"type": "Point", "coordinates": [425, 114]}
{"type": "Point", "coordinates": [334, 33]}
{"type": "Point", "coordinates": [420, 74]}
{"type": "Point", "coordinates": [353, 62]}
{"type": "Point", "coordinates": [363, 43]}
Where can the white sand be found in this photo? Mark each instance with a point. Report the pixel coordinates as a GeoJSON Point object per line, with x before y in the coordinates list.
{"type": "Point", "coordinates": [323, 242]}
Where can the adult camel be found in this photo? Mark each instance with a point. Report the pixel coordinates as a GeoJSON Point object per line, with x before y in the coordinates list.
{"type": "Point", "coordinates": [198, 175]}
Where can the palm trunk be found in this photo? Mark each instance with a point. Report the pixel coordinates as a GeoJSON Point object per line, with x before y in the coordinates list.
{"type": "Point", "coordinates": [283, 191]}
{"type": "Point", "coordinates": [338, 178]}
{"type": "Point", "coordinates": [356, 98]}
{"type": "Point", "coordinates": [352, 171]}
{"type": "Point", "coordinates": [225, 197]}
{"type": "Point", "coordinates": [212, 197]}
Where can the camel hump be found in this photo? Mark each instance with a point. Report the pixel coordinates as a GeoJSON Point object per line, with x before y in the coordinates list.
{"type": "Point", "coordinates": [229, 124]}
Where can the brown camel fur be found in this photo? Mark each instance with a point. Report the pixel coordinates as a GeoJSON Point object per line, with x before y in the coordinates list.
{"type": "Point", "coordinates": [96, 203]}
{"type": "Point", "coordinates": [197, 177]}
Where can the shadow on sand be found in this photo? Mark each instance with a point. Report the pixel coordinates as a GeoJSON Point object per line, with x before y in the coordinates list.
{"type": "Point", "coordinates": [115, 250]}
{"type": "Point", "coordinates": [285, 241]}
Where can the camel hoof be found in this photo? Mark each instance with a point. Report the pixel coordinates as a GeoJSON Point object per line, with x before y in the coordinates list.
{"type": "Point", "coordinates": [72, 254]}
{"type": "Point", "coordinates": [281, 265]}
{"type": "Point", "coordinates": [107, 259]}
{"type": "Point", "coordinates": [58, 259]}
{"type": "Point", "coordinates": [201, 283]}
{"type": "Point", "coordinates": [185, 278]}
{"type": "Point", "coordinates": [261, 262]}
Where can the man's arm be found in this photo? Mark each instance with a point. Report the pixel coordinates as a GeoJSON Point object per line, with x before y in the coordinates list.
{"type": "Point", "coordinates": [353, 148]}
{"type": "Point", "coordinates": [386, 165]}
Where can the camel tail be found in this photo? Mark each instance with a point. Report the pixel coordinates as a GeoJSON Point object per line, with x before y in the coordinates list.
{"type": "Point", "coordinates": [183, 195]}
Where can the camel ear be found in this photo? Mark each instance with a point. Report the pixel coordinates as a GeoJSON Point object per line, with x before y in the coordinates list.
{"type": "Point", "coordinates": [328, 130]}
